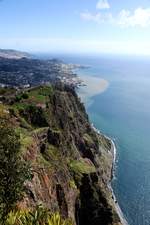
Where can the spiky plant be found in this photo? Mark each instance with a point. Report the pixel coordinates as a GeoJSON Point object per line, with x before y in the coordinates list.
{"type": "Point", "coordinates": [39, 216]}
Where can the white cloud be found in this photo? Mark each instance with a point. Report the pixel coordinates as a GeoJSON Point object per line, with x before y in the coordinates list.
{"type": "Point", "coordinates": [97, 17]}
{"type": "Point", "coordinates": [140, 17]}
{"type": "Point", "coordinates": [102, 4]}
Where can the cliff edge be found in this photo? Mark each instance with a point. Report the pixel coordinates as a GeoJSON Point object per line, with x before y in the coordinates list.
{"type": "Point", "coordinates": [70, 163]}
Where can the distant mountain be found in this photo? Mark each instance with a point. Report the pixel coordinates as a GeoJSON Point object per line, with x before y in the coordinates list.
{"type": "Point", "coordinates": [13, 54]}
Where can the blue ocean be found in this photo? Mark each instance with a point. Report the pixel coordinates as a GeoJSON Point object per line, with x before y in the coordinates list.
{"type": "Point", "coordinates": [122, 112]}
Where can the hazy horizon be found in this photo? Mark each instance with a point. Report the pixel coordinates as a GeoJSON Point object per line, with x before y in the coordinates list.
{"type": "Point", "coordinates": [87, 27]}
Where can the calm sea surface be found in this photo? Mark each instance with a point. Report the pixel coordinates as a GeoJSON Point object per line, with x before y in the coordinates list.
{"type": "Point", "coordinates": [123, 113]}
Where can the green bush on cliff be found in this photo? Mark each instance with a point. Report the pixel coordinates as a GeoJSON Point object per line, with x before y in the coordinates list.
{"type": "Point", "coordinates": [72, 184]}
{"type": "Point", "coordinates": [39, 216]}
{"type": "Point", "coordinates": [33, 115]}
{"type": "Point", "coordinates": [81, 166]}
{"type": "Point", "coordinates": [13, 170]}
{"type": "Point", "coordinates": [88, 139]}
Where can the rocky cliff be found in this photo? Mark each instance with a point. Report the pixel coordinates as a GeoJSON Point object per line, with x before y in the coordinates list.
{"type": "Point", "coordinates": [71, 164]}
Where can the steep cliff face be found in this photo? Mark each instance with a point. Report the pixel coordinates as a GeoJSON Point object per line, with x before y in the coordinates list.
{"type": "Point", "coordinates": [70, 163]}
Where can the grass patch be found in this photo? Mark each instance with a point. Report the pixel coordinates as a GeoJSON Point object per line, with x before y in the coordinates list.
{"type": "Point", "coordinates": [26, 142]}
{"type": "Point", "coordinates": [26, 138]}
{"type": "Point", "coordinates": [39, 130]}
{"type": "Point", "coordinates": [46, 90]}
{"type": "Point", "coordinates": [19, 106]}
{"type": "Point", "coordinates": [88, 139]}
{"type": "Point", "coordinates": [81, 167]}
{"type": "Point", "coordinates": [40, 94]}
{"type": "Point", "coordinates": [72, 184]}
{"type": "Point", "coordinates": [3, 111]}
{"type": "Point", "coordinates": [55, 159]}
{"type": "Point", "coordinates": [24, 123]}
{"type": "Point", "coordinates": [43, 162]}
{"type": "Point", "coordinates": [52, 154]}
{"type": "Point", "coordinates": [7, 91]}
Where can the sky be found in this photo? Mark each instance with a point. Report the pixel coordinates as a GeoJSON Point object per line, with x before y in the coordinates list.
{"type": "Point", "coordinates": [76, 26]}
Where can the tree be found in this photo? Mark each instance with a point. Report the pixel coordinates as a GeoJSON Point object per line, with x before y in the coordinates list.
{"type": "Point", "coordinates": [13, 170]}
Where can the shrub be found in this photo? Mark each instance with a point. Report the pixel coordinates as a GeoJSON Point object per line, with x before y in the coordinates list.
{"type": "Point", "coordinates": [40, 216]}
{"type": "Point", "coordinates": [13, 170]}
{"type": "Point", "coordinates": [82, 167]}
{"type": "Point", "coordinates": [25, 96]}
{"type": "Point", "coordinates": [18, 98]}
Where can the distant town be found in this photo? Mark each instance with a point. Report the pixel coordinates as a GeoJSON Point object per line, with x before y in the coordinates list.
{"type": "Point", "coordinates": [26, 72]}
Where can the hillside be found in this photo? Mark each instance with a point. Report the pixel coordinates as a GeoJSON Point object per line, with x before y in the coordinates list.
{"type": "Point", "coordinates": [29, 72]}
{"type": "Point", "coordinates": [13, 54]}
{"type": "Point", "coordinates": [70, 164]}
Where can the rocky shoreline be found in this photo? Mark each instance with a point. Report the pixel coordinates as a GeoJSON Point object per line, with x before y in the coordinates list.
{"type": "Point", "coordinates": [113, 151]}
{"type": "Point", "coordinates": [118, 209]}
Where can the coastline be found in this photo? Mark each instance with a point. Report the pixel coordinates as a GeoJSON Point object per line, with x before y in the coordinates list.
{"type": "Point", "coordinates": [118, 209]}
{"type": "Point", "coordinates": [93, 86]}
{"type": "Point", "coordinates": [113, 151]}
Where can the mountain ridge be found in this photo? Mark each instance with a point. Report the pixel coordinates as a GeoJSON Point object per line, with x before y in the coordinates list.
{"type": "Point", "coordinates": [13, 54]}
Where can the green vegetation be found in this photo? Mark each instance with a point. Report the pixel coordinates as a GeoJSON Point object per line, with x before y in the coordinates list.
{"type": "Point", "coordinates": [13, 170]}
{"type": "Point", "coordinates": [104, 142]}
{"type": "Point", "coordinates": [34, 115]}
{"type": "Point", "coordinates": [81, 167]}
{"type": "Point", "coordinates": [26, 138]}
{"type": "Point", "coordinates": [52, 153]}
{"type": "Point", "coordinates": [40, 216]}
{"type": "Point", "coordinates": [46, 90]}
{"type": "Point", "coordinates": [50, 129]}
{"type": "Point", "coordinates": [19, 106]}
{"type": "Point", "coordinates": [88, 139]}
{"type": "Point", "coordinates": [52, 157]}
{"type": "Point", "coordinates": [24, 123]}
{"type": "Point", "coordinates": [22, 96]}
{"type": "Point", "coordinates": [25, 96]}
{"type": "Point", "coordinates": [40, 160]}
{"type": "Point", "coordinates": [26, 142]}
{"type": "Point", "coordinates": [39, 130]}
{"type": "Point", "coordinates": [40, 94]}
{"type": "Point", "coordinates": [6, 90]}
{"type": "Point", "coordinates": [3, 111]}
{"type": "Point", "coordinates": [36, 97]}
{"type": "Point", "coordinates": [2, 91]}
{"type": "Point", "coordinates": [72, 184]}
